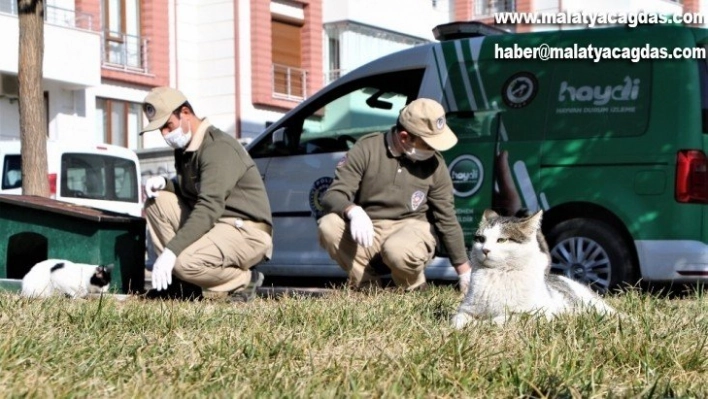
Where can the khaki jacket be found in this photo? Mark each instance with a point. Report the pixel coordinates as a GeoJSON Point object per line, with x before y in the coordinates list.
{"type": "Point", "coordinates": [217, 179]}
{"type": "Point", "coordinates": [395, 188]}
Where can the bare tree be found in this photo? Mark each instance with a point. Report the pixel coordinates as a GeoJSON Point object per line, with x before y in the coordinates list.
{"type": "Point", "coordinates": [33, 125]}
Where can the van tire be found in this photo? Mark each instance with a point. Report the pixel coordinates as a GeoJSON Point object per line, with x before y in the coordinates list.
{"type": "Point", "coordinates": [599, 242]}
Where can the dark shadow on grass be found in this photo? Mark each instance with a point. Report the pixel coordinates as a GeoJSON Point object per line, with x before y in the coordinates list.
{"type": "Point", "coordinates": [276, 287]}
{"type": "Point", "coordinates": [671, 290]}
{"type": "Point", "coordinates": [178, 290]}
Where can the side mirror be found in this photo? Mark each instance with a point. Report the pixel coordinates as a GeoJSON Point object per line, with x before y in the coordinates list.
{"type": "Point", "coordinates": [375, 102]}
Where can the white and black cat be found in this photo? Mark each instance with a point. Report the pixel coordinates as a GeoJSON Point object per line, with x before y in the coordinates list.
{"type": "Point", "coordinates": [57, 276]}
{"type": "Point", "coordinates": [510, 274]}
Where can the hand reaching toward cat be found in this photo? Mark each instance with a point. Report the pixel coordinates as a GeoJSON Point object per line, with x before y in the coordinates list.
{"type": "Point", "coordinates": [361, 227]}
{"type": "Point", "coordinates": [464, 281]}
{"type": "Point", "coordinates": [162, 270]}
{"type": "Point", "coordinates": [153, 185]}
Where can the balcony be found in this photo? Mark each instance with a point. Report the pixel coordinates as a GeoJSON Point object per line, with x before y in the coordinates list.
{"type": "Point", "coordinates": [54, 15]}
{"type": "Point", "coordinates": [123, 52]}
{"type": "Point", "coordinates": [484, 8]}
{"type": "Point", "coordinates": [71, 46]}
{"type": "Point", "coordinates": [289, 83]}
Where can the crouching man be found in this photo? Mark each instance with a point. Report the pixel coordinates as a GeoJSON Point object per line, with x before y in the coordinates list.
{"type": "Point", "coordinates": [215, 225]}
{"type": "Point", "coordinates": [377, 205]}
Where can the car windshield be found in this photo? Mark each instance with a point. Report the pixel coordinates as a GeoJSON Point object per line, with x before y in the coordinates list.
{"type": "Point", "coordinates": [98, 177]}
{"type": "Point", "coordinates": [12, 172]}
{"type": "Point", "coordinates": [333, 123]}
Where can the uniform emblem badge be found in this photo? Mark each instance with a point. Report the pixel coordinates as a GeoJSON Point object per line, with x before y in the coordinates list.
{"type": "Point", "coordinates": [149, 110]}
{"type": "Point", "coordinates": [316, 192]}
{"type": "Point", "coordinates": [440, 122]}
{"type": "Point", "coordinates": [416, 199]}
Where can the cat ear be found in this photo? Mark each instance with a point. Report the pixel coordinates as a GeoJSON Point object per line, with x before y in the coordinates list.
{"type": "Point", "coordinates": [489, 214]}
{"type": "Point", "coordinates": [535, 219]}
{"type": "Point", "coordinates": [108, 268]}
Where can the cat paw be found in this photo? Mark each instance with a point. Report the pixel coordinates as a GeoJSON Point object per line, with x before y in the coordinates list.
{"type": "Point", "coordinates": [460, 320]}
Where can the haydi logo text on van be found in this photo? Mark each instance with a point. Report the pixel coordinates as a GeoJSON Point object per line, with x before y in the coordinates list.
{"type": "Point", "coordinates": [600, 95]}
{"type": "Point", "coordinates": [467, 175]}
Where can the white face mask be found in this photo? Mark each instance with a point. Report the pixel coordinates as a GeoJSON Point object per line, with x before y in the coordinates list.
{"type": "Point", "coordinates": [177, 138]}
{"type": "Point", "coordinates": [417, 154]}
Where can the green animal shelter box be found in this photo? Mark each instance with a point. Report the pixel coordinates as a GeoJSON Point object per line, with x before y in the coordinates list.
{"type": "Point", "coordinates": [33, 229]}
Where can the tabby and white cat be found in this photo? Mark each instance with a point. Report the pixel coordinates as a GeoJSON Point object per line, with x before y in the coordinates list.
{"type": "Point", "coordinates": [510, 274]}
{"type": "Point", "coordinates": [56, 276]}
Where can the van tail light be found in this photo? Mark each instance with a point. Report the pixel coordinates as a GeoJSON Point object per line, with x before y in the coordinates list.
{"type": "Point", "coordinates": [692, 177]}
{"type": "Point", "coordinates": [52, 185]}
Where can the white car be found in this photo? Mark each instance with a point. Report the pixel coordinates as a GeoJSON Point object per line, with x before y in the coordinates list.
{"type": "Point", "coordinates": [101, 176]}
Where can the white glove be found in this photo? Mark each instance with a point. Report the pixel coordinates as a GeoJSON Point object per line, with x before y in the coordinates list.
{"type": "Point", "coordinates": [162, 270]}
{"type": "Point", "coordinates": [361, 227]}
{"type": "Point", "coordinates": [464, 281]}
{"type": "Point", "coordinates": [153, 185]}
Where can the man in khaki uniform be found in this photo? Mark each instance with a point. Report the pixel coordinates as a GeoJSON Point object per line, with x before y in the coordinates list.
{"type": "Point", "coordinates": [382, 192]}
{"type": "Point", "coordinates": [213, 224]}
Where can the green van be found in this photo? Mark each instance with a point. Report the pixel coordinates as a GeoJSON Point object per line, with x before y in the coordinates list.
{"type": "Point", "coordinates": [613, 151]}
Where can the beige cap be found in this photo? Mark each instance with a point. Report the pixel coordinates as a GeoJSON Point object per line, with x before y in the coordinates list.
{"type": "Point", "coordinates": [425, 118]}
{"type": "Point", "coordinates": [159, 105]}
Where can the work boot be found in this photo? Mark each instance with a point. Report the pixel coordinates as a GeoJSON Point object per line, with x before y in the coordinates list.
{"type": "Point", "coordinates": [250, 291]}
{"type": "Point", "coordinates": [242, 294]}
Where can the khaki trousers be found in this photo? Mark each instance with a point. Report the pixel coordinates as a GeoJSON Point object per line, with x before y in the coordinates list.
{"type": "Point", "coordinates": [405, 246]}
{"type": "Point", "coordinates": [218, 261]}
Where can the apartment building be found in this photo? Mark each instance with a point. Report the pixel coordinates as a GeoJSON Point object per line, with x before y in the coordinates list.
{"type": "Point", "coordinates": [100, 59]}
{"type": "Point", "coordinates": [335, 36]}
{"type": "Point", "coordinates": [242, 64]}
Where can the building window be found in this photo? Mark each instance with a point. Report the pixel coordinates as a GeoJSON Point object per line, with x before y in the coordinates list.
{"type": "Point", "coordinates": [123, 45]}
{"type": "Point", "coordinates": [119, 123]}
{"type": "Point", "coordinates": [289, 78]}
{"type": "Point", "coordinates": [489, 7]}
{"type": "Point", "coordinates": [334, 60]}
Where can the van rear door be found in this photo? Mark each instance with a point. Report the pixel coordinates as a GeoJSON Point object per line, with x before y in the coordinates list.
{"type": "Point", "coordinates": [703, 81]}
{"type": "Point", "coordinates": [493, 107]}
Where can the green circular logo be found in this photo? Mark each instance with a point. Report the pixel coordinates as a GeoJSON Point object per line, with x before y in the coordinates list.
{"type": "Point", "coordinates": [467, 174]}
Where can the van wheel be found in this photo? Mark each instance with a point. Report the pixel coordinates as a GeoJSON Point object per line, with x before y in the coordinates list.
{"type": "Point", "coordinates": [592, 252]}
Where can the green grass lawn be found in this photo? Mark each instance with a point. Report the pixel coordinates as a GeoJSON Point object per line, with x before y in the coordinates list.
{"type": "Point", "coordinates": [346, 344]}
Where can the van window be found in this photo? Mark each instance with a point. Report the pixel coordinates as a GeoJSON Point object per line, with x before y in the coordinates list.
{"type": "Point", "coordinates": [334, 122]}
{"type": "Point", "coordinates": [12, 172]}
{"type": "Point", "coordinates": [98, 177]}
{"type": "Point", "coordinates": [347, 118]}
